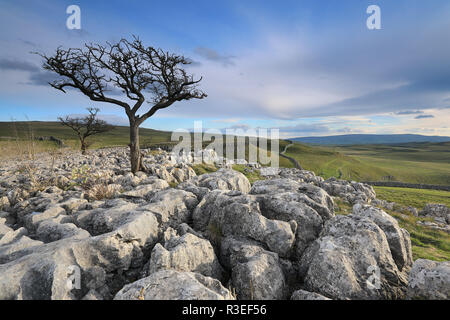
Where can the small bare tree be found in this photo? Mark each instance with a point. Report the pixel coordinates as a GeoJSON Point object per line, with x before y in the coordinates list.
{"type": "Point", "coordinates": [86, 126]}
{"type": "Point", "coordinates": [142, 74]}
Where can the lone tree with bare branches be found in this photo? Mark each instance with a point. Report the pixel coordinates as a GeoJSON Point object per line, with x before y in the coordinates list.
{"type": "Point", "coordinates": [86, 126]}
{"type": "Point", "coordinates": [143, 74]}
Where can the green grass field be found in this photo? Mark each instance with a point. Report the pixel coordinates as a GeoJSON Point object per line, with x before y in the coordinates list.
{"type": "Point", "coordinates": [426, 242]}
{"type": "Point", "coordinates": [417, 198]}
{"type": "Point", "coordinates": [119, 136]}
{"type": "Point", "coordinates": [427, 163]}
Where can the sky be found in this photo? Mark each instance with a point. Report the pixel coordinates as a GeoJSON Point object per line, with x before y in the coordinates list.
{"type": "Point", "coordinates": [306, 67]}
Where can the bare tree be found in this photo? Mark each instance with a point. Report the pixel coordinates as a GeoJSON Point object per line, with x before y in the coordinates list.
{"type": "Point", "coordinates": [143, 74]}
{"type": "Point", "coordinates": [86, 126]}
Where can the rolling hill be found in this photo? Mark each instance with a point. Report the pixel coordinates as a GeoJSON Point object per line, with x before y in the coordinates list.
{"type": "Point", "coordinates": [427, 163]}
{"type": "Point", "coordinates": [370, 139]}
{"type": "Point", "coordinates": [422, 162]}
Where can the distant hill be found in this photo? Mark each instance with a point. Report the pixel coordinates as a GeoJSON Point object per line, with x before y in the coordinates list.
{"type": "Point", "coordinates": [350, 139]}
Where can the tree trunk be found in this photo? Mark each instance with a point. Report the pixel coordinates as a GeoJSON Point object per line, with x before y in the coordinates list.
{"type": "Point", "coordinates": [83, 147]}
{"type": "Point", "coordinates": [135, 151]}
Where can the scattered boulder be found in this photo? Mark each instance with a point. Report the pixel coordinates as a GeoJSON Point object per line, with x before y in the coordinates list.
{"type": "Point", "coordinates": [300, 175]}
{"type": "Point", "coordinates": [352, 192]}
{"type": "Point", "coordinates": [256, 274]}
{"type": "Point", "coordinates": [15, 244]}
{"type": "Point", "coordinates": [223, 179]}
{"type": "Point", "coordinates": [306, 207]}
{"type": "Point", "coordinates": [232, 213]}
{"type": "Point", "coordinates": [43, 272]}
{"type": "Point", "coordinates": [398, 238]}
{"type": "Point", "coordinates": [142, 191]}
{"type": "Point", "coordinates": [4, 203]}
{"type": "Point", "coordinates": [174, 285]}
{"type": "Point", "coordinates": [4, 229]}
{"type": "Point", "coordinates": [186, 253]}
{"type": "Point", "coordinates": [435, 226]}
{"type": "Point", "coordinates": [440, 212]}
{"type": "Point", "coordinates": [429, 280]}
{"type": "Point", "coordinates": [95, 231]}
{"type": "Point", "coordinates": [72, 205]}
{"type": "Point", "coordinates": [50, 231]}
{"type": "Point", "coordinates": [352, 260]}
{"type": "Point", "coordinates": [171, 207]}
{"type": "Point", "coordinates": [105, 218]}
{"type": "Point", "coordinates": [33, 220]}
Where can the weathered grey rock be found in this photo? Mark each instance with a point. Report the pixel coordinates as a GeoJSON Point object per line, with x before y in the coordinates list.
{"type": "Point", "coordinates": [289, 207]}
{"type": "Point", "coordinates": [106, 218]}
{"type": "Point", "coordinates": [12, 235]}
{"type": "Point", "coordinates": [8, 218]}
{"type": "Point", "coordinates": [272, 186]}
{"type": "Point", "coordinates": [182, 173]}
{"type": "Point", "coordinates": [321, 201]}
{"type": "Point", "coordinates": [16, 195]}
{"type": "Point", "coordinates": [128, 181]}
{"type": "Point", "coordinates": [231, 213]}
{"type": "Point", "coordinates": [429, 280]}
{"type": "Point", "coordinates": [140, 226]}
{"type": "Point", "coordinates": [4, 229]}
{"type": "Point", "coordinates": [223, 179]}
{"type": "Point", "coordinates": [260, 278]}
{"type": "Point", "coordinates": [73, 204]}
{"type": "Point", "coordinates": [162, 173]}
{"type": "Point", "coordinates": [149, 187]}
{"type": "Point", "coordinates": [184, 228]}
{"type": "Point", "coordinates": [186, 253]}
{"type": "Point", "coordinates": [15, 244]}
{"type": "Point", "coordinates": [344, 261]}
{"type": "Point", "coordinates": [413, 211]}
{"type": "Point", "coordinates": [4, 203]}
{"type": "Point", "coordinates": [435, 226]}
{"type": "Point", "coordinates": [42, 273]}
{"type": "Point", "coordinates": [174, 285]}
{"type": "Point", "coordinates": [300, 175]}
{"type": "Point", "coordinates": [440, 212]}
{"type": "Point", "coordinates": [49, 231]}
{"type": "Point", "coordinates": [33, 220]}
{"type": "Point", "coordinates": [398, 238]}
{"type": "Point", "coordinates": [269, 171]}
{"type": "Point", "coordinates": [383, 204]}
{"type": "Point", "coordinates": [111, 241]}
{"type": "Point", "coordinates": [171, 206]}
{"type": "Point", "coordinates": [352, 192]}
{"type": "Point", "coordinates": [306, 295]}
{"type": "Point", "coordinates": [255, 273]}
{"type": "Point", "coordinates": [200, 192]}
{"type": "Point", "coordinates": [307, 205]}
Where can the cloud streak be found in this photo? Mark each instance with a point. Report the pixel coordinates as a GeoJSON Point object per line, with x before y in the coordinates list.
{"type": "Point", "coordinates": [213, 55]}
{"type": "Point", "coordinates": [17, 65]}
{"type": "Point", "coordinates": [425, 116]}
{"type": "Point", "coordinates": [405, 113]}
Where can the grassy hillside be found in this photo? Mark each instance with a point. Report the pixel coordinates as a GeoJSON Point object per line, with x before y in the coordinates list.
{"type": "Point", "coordinates": [417, 198]}
{"type": "Point", "coordinates": [427, 163]}
{"type": "Point", "coordinates": [351, 139]}
{"type": "Point", "coordinates": [15, 138]}
{"type": "Point", "coordinates": [117, 137]}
